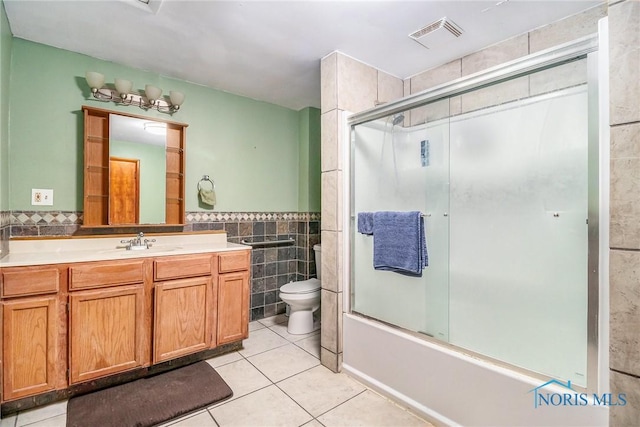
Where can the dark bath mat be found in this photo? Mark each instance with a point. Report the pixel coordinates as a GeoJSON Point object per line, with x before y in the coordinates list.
{"type": "Point", "coordinates": [149, 401]}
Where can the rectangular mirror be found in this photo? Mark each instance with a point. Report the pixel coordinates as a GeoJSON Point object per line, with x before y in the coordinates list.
{"type": "Point", "coordinates": [133, 170]}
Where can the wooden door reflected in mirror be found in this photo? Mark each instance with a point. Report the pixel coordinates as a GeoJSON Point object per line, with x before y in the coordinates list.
{"type": "Point", "coordinates": [124, 190]}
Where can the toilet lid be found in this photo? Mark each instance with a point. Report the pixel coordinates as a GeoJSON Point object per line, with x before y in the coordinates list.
{"type": "Point", "coordinates": [302, 287]}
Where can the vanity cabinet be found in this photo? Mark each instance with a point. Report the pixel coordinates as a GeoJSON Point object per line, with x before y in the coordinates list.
{"type": "Point", "coordinates": [233, 296]}
{"type": "Point", "coordinates": [107, 328]}
{"type": "Point", "coordinates": [184, 309]}
{"type": "Point", "coordinates": [68, 324]}
{"type": "Point", "coordinates": [32, 327]}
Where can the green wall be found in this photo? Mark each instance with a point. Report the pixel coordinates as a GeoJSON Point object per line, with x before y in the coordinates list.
{"type": "Point", "coordinates": [309, 160]}
{"type": "Point", "coordinates": [6, 41]}
{"type": "Point", "coordinates": [251, 149]}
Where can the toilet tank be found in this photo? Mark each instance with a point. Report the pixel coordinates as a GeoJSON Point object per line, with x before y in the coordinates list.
{"type": "Point", "coordinates": [318, 250]}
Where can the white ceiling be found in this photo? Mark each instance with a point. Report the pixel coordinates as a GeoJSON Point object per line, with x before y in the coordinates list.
{"type": "Point", "coordinates": [271, 50]}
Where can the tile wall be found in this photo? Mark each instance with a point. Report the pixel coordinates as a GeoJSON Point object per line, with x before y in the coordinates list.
{"type": "Point", "coordinates": [349, 85]}
{"type": "Point", "coordinates": [44, 223]}
{"type": "Point", "coordinates": [567, 75]}
{"type": "Point", "coordinates": [624, 271]}
{"type": "Point", "coordinates": [271, 266]}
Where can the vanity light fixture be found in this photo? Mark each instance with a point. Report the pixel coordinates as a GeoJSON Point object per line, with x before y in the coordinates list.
{"type": "Point", "coordinates": [122, 94]}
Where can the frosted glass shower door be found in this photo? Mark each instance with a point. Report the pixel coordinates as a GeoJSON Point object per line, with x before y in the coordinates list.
{"type": "Point", "coordinates": [518, 233]}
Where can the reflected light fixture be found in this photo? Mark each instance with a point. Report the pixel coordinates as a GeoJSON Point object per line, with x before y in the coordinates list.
{"type": "Point", "coordinates": [122, 94]}
{"type": "Point", "coordinates": [155, 128]}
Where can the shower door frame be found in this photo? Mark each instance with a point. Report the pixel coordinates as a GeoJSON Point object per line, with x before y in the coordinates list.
{"type": "Point", "coordinates": [586, 47]}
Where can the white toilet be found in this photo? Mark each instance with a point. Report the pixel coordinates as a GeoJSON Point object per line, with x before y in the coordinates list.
{"type": "Point", "coordinates": [303, 299]}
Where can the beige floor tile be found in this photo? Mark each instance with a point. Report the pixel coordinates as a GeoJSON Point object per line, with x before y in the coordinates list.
{"type": "Point", "coordinates": [224, 359]}
{"type": "Point", "coordinates": [372, 410]}
{"type": "Point", "coordinates": [8, 421]}
{"type": "Point", "coordinates": [318, 390]}
{"type": "Point", "coordinates": [266, 407]}
{"type": "Point", "coordinates": [57, 421]}
{"type": "Point", "coordinates": [38, 414]}
{"type": "Point", "coordinates": [281, 329]}
{"type": "Point", "coordinates": [242, 377]}
{"type": "Point", "coordinates": [274, 320]}
{"type": "Point", "coordinates": [255, 325]}
{"type": "Point", "coordinates": [312, 423]}
{"type": "Point", "coordinates": [283, 362]}
{"type": "Point", "coordinates": [260, 341]}
{"type": "Point", "coordinates": [199, 419]}
{"type": "Point", "coordinates": [311, 345]}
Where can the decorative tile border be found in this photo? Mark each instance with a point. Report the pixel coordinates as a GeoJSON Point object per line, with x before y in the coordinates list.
{"type": "Point", "coordinates": [46, 218]}
{"type": "Point", "coordinates": [194, 217]}
{"type": "Point", "coordinates": [76, 218]}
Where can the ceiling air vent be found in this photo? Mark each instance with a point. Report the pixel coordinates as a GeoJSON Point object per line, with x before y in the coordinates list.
{"type": "Point", "coordinates": [437, 33]}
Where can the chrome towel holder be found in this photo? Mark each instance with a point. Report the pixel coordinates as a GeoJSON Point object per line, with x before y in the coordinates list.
{"type": "Point", "coordinates": [205, 178]}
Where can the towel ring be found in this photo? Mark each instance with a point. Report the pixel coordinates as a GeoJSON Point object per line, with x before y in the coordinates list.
{"type": "Point", "coordinates": [205, 178]}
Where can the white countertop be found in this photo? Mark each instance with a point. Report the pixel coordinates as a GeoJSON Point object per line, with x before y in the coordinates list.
{"type": "Point", "coordinates": [59, 251]}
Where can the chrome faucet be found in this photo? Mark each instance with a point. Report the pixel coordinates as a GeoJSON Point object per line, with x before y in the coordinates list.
{"type": "Point", "coordinates": [137, 243]}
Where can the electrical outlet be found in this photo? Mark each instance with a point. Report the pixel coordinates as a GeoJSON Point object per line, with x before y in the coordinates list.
{"type": "Point", "coordinates": [42, 197]}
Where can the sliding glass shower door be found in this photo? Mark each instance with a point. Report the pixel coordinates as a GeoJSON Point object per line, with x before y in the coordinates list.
{"type": "Point", "coordinates": [501, 175]}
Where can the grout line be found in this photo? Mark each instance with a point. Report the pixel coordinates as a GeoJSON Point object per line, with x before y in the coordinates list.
{"type": "Point", "coordinates": [214, 407]}
{"type": "Point", "coordinates": [258, 369]}
{"type": "Point", "coordinates": [183, 417]}
{"type": "Point", "coordinates": [296, 402]}
{"type": "Point", "coordinates": [246, 357]}
{"type": "Point", "coordinates": [212, 417]}
{"type": "Point", "coordinates": [304, 349]}
{"type": "Point", "coordinates": [340, 404]}
{"type": "Point", "coordinates": [233, 399]}
{"type": "Point", "coordinates": [291, 376]}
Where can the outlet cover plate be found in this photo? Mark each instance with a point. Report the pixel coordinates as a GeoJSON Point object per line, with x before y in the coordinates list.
{"type": "Point", "coordinates": [41, 197]}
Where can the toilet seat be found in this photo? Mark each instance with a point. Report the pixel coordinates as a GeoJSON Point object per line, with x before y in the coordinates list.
{"type": "Point", "coordinates": [302, 287]}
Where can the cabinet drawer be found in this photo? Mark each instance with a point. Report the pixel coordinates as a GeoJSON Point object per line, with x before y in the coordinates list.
{"type": "Point", "coordinates": [29, 281]}
{"type": "Point", "coordinates": [178, 267]}
{"type": "Point", "coordinates": [233, 261]}
{"type": "Point", "coordinates": [97, 275]}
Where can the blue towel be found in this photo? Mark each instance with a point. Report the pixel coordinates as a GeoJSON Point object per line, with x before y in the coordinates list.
{"type": "Point", "coordinates": [365, 222]}
{"type": "Point", "coordinates": [399, 243]}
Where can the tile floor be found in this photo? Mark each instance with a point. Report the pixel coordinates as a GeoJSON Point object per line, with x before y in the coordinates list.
{"type": "Point", "coordinates": [277, 380]}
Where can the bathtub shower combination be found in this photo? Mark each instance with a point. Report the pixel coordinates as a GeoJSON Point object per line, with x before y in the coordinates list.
{"type": "Point", "coordinates": [504, 169]}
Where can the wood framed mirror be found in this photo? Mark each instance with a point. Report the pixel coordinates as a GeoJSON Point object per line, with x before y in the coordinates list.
{"type": "Point", "coordinates": [132, 177]}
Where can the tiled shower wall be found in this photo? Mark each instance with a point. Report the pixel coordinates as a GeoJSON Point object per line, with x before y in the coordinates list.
{"type": "Point", "coordinates": [271, 265]}
{"type": "Point", "coordinates": [624, 270]}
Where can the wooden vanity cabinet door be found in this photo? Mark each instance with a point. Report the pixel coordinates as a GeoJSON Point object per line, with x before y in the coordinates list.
{"type": "Point", "coordinates": [105, 331]}
{"type": "Point", "coordinates": [233, 307]}
{"type": "Point", "coordinates": [30, 339]}
{"type": "Point", "coordinates": [184, 314]}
